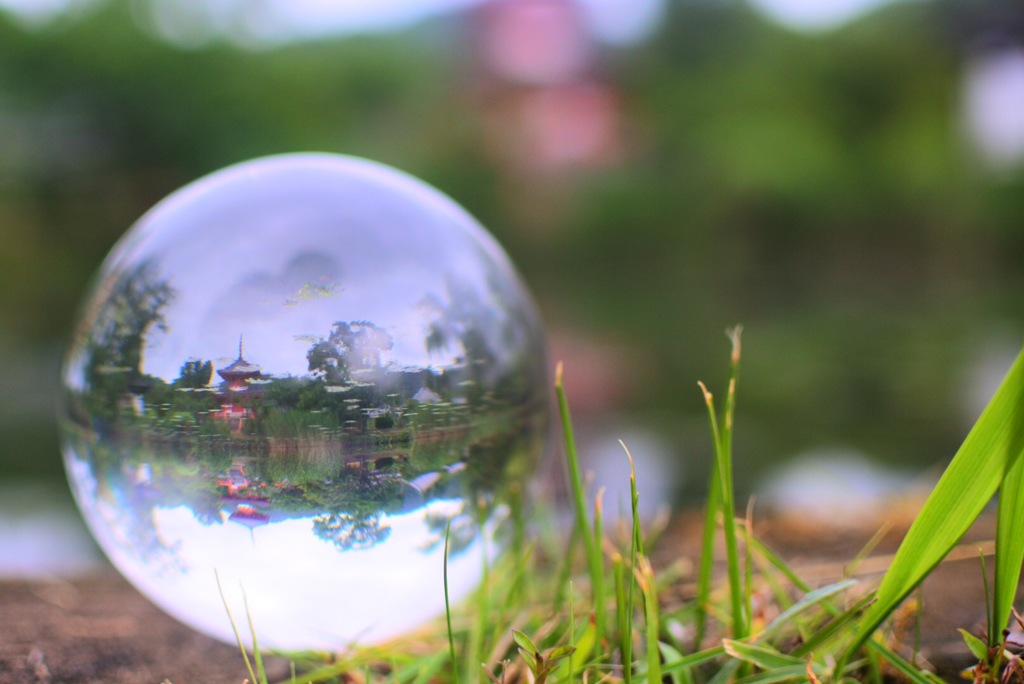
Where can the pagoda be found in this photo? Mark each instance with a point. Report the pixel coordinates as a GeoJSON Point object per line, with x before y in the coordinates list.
{"type": "Point", "coordinates": [238, 375]}
{"type": "Point", "coordinates": [236, 387]}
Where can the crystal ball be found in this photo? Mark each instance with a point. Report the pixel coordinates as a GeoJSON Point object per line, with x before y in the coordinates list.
{"type": "Point", "coordinates": [293, 384]}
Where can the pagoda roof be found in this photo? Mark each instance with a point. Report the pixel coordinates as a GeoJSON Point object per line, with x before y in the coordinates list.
{"type": "Point", "coordinates": [240, 366]}
{"type": "Point", "coordinates": [249, 516]}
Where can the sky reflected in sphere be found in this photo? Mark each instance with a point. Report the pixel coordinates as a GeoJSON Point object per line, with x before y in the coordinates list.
{"type": "Point", "coordinates": [298, 372]}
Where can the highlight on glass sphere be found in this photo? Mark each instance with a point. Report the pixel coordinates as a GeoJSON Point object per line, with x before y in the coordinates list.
{"type": "Point", "coordinates": [295, 375]}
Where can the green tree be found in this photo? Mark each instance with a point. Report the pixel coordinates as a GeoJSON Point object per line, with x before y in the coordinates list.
{"type": "Point", "coordinates": [118, 332]}
{"type": "Point", "coordinates": [351, 532]}
{"type": "Point", "coordinates": [195, 373]}
{"type": "Point", "coordinates": [348, 348]}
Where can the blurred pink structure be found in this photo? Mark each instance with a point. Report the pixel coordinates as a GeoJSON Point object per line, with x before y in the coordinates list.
{"type": "Point", "coordinates": [545, 107]}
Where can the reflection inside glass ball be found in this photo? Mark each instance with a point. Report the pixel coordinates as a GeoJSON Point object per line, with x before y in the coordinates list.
{"type": "Point", "coordinates": [290, 379]}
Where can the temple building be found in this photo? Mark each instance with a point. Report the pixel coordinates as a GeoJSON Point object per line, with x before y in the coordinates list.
{"type": "Point", "coordinates": [551, 113]}
{"type": "Point", "coordinates": [236, 388]}
{"type": "Point", "coordinates": [548, 108]}
{"type": "Point", "coordinates": [240, 372]}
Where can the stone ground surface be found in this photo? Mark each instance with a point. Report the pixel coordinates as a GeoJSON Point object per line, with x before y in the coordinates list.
{"type": "Point", "coordinates": [99, 629]}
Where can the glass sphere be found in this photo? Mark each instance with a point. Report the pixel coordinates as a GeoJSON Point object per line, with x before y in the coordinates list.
{"type": "Point", "coordinates": [290, 378]}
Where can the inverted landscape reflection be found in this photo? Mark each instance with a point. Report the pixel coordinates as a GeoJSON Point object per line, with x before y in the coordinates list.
{"type": "Point", "coordinates": [300, 372]}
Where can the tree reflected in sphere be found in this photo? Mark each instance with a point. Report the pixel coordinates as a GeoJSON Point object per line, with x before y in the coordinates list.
{"type": "Point", "coordinates": [296, 374]}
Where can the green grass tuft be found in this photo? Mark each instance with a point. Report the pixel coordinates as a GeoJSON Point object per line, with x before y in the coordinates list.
{"type": "Point", "coordinates": [590, 606]}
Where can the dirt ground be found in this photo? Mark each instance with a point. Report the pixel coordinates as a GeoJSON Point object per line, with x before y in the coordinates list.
{"type": "Point", "coordinates": [99, 629]}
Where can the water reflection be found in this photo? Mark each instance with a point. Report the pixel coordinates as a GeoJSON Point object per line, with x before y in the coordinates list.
{"type": "Point", "coordinates": [167, 519]}
{"type": "Point", "coordinates": [388, 383]}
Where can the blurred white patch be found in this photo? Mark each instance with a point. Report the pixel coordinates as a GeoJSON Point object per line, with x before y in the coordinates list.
{"type": "Point", "coordinates": [815, 15]}
{"type": "Point", "coordinates": [41, 533]}
{"type": "Point", "coordinates": [191, 23]}
{"type": "Point", "coordinates": [659, 471]}
{"type": "Point", "coordinates": [986, 366]}
{"type": "Point", "coordinates": [993, 103]}
{"type": "Point", "coordinates": [833, 487]}
{"type": "Point", "coordinates": [623, 21]}
{"type": "Point", "coordinates": [614, 21]}
{"type": "Point", "coordinates": [39, 12]}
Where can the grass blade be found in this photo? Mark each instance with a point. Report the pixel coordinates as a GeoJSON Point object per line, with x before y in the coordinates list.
{"type": "Point", "coordinates": [597, 580]}
{"type": "Point", "coordinates": [482, 614]}
{"type": "Point", "coordinates": [565, 571]}
{"type": "Point", "coordinates": [809, 600]}
{"type": "Point", "coordinates": [234, 628]}
{"type": "Point", "coordinates": [727, 673]}
{"type": "Point", "coordinates": [989, 628]}
{"type": "Point", "coordinates": [624, 613]}
{"type": "Point", "coordinates": [748, 566]}
{"type": "Point", "coordinates": [723, 463]}
{"type": "Point", "coordinates": [764, 657]}
{"type": "Point", "coordinates": [591, 546]}
{"type": "Point", "coordinates": [694, 659]}
{"type": "Point", "coordinates": [670, 654]}
{"type": "Point", "coordinates": [261, 673]}
{"type": "Point", "coordinates": [899, 663]}
{"type": "Point", "coordinates": [448, 607]}
{"type": "Point", "coordinates": [707, 557]}
{"type": "Point", "coordinates": [986, 457]}
{"type": "Point", "coordinates": [637, 543]}
{"type": "Point", "coordinates": [636, 548]}
{"type": "Point", "coordinates": [577, 655]}
{"type": "Point", "coordinates": [788, 673]}
{"type": "Point", "coordinates": [572, 633]}
{"type": "Point", "coordinates": [645, 576]}
{"type": "Point", "coordinates": [775, 561]}
{"type": "Point", "coordinates": [724, 466]}
{"type": "Point", "coordinates": [1009, 548]}
{"type": "Point", "coordinates": [838, 625]}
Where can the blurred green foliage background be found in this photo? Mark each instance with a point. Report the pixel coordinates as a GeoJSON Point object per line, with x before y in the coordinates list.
{"type": "Point", "coordinates": [821, 188]}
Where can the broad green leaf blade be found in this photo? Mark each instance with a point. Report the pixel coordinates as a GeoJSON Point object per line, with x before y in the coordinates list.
{"type": "Point", "coordinates": [986, 456]}
{"type": "Point", "coordinates": [977, 647]}
{"type": "Point", "coordinates": [530, 657]}
{"type": "Point", "coordinates": [1009, 547]}
{"type": "Point", "coordinates": [560, 653]}
{"type": "Point", "coordinates": [523, 641]}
